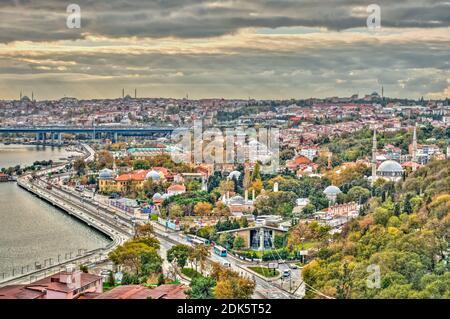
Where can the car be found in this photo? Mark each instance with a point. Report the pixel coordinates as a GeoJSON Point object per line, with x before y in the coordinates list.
{"type": "Point", "coordinates": [226, 264]}
{"type": "Point", "coordinates": [294, 266]}
{"type": "Point", "coordinates": [286, 273]}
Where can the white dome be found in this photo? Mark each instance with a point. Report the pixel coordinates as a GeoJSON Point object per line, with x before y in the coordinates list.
{"type": "Point", "coordinates": [331, 190]}
{"type": "Point", "coordinates": [154, 175]}
{"type": "Point", "coordinates": [390, 167]}
{"type": "Point", "coordinates": [157, 196]}
{"type": "Point", "coordinates": [105, 174]}
{"type": "Point", "coordinates": [237, 200]}
{"type": "Point", "coordinates": [234, 174]}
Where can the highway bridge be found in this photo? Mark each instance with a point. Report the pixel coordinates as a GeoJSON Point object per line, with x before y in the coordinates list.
{"type": "Point", "coordinates": [56, 132]}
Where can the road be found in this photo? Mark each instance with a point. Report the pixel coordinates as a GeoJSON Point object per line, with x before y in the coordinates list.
{"type": "Point", "coordinates": [264, 289]}
{"type": "Point", "coordinates": [123, 224]}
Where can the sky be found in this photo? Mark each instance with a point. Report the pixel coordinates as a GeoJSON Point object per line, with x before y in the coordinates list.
{"type": "Point", "coordinates": [262, 49]}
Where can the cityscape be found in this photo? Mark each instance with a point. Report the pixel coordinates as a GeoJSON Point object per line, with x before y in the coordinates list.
{"type": "Point", "coordinates": [229, 156]}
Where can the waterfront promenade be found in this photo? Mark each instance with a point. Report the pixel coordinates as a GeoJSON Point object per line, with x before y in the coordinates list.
{"type": "Point", "coordinates": [92, 217]}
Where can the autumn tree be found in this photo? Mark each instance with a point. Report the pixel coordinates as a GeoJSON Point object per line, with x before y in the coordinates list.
{"type": "Point", "coordinates": [199, 255]}
{"type": "Point", "coordinates": [104, 160]}
{"type": "Point", "coordinates": [203, 209]}
{"type": "Point", "coordinates": [226, 186]}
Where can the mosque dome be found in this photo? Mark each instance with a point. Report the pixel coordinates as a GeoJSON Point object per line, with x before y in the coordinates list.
{"type": "Point", "coordinates": [106, 174]}
{"type": "Point", "coordinates": [157, 196]}
{"type": "Point", "coordinates": [390, 167]}
{"type": "Point", "coordinates": [234, 174]}
{"type": "Point", "coordinates": [332, 190]}
{"type": "Point", "coordinates": [237, 200]}
{"type": "Point", "coordinates": [154, 175]}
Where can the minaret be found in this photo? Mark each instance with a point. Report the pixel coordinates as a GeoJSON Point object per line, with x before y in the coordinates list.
{"type": "Point", "coordinates": [135, 93]}
{"type": "Point", "coordinates": [414, 150]}
{"type": "Point", "coordinates": [21, 95]}
{"type": "Point", "coordinates": [123, 93]}
{"type": "Point", "coordinates": [374, 156]}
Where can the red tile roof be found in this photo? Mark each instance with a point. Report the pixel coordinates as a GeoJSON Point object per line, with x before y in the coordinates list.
{"type": "Point", "coordinates": [134, 176]}
{"type": "Point", "coordinates": [176, 188]}
{"type": "Point", "coordinates": [141, 292]}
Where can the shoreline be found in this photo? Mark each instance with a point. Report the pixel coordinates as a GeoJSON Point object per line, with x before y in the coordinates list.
{"type": "Point", "coordinates": [98, 255]}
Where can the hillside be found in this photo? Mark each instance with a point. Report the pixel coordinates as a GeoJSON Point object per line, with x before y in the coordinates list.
{"type": "Point", "coordinates": [406, 238]}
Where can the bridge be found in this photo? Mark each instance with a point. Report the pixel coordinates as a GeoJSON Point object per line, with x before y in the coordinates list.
{"type": "Point", "coordinates": [113, 132]}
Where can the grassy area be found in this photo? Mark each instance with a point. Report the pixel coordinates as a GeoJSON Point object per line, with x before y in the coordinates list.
{"type": "Point", "coordinates": [266, 272]}
{"type": "Point", "coordinates": [191, 273]}
{"type": "Point", "coordinates": [307, 245]}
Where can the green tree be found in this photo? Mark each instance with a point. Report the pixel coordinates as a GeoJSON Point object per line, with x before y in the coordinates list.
{"type": "Point", "coordinates": [201, 288]}
{"type": "Point", "coordinates": [180, 254]}
{"type": "Point", "coordinates": [238, 243]}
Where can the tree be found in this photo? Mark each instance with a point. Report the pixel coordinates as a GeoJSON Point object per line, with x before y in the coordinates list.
{"type": "Point", "coordinates": [141, 164]}
{"type": "Point", "coordinates": [238, 243]}
{"type": "Point", "coordinates": [221, 210]}
{"type": "Point", "coordinates": [358, 194]}
{"type": "Point", "coordinates": [203, 209]}
{"type": "Point", "coordinates": [180, 254]}
{"type": "Point", "coordinates": [257, 186]}
{"type": "Point", "coordinates": [226, 186]}
{"type": "Point", "coordinates": [104, 160]}
{"type": "Point", "coordinates": [256, 172]}
{"type": "Point", "coordinates": [145, 230]}
{"type": "Point", "coordinates": [201, 288]}
{"type": "Point", "coordinates": [308, 210]}
{"type": "Point", "coordinates": [230, 285]}
{"type": "Point", "coordinates": [175, 211]}
{"type": "Point", "coordinates": [151, 263]}
{"type": "Point", "coordinates": [111, 279]}
{"type": "Point", "coordinates": [79, 166]}
{"type": "Point", "coordinates": [199, 255]}
{"type": "Point", "coordinates": [129, 256]}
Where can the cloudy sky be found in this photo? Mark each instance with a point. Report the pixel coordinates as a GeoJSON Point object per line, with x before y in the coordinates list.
{"type": "Point", "coordinates": [224, 48]}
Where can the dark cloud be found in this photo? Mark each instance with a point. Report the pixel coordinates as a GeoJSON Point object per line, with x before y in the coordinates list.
{"type": "Point", "coordinates": [46, 19]}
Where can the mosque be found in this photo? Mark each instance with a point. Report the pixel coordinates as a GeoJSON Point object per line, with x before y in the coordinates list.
{"type": "Point", "coordinates": [390, 170]}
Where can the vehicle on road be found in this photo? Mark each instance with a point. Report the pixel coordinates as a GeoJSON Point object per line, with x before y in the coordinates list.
{"type": "Point", "coordinates": [286, 273]}
{"type": "Point", "coordinates": [220, 251]}
{"type": "Point", "coordinates": [195, 240]}
{"type": "Point", "coordinates": [226, 264]}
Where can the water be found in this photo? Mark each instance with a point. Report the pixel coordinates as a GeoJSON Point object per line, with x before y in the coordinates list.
{"type": "Point", "coordinates": [25, 155]}
{"type": "Point", "coordinates": [31, 229]}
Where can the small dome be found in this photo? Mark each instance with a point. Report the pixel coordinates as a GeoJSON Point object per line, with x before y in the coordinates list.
{"type": "Point", "coordinates": [332, 190]}
{"type": "Point", "coordinates": [154, 175]}
{"type": "Point", "coordinates": [157, 196]}
{"type": "Point", "coordinates": [237, 200]}
{"type": "Point", "coordinates": [234, 174]}
{"type": "Point", "coordinates": [105, 174]}
{"type": "Point", "coordinates": [390, 167]}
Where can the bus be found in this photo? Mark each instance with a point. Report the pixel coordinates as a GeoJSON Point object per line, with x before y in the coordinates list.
{"type": "Point", "coordinates": [220, 251]}
{"type": "Point", "coordinates": [197, 240]}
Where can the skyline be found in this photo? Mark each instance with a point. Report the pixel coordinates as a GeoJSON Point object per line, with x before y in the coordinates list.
{"type": "Point", "coordinates": [224, 49]}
